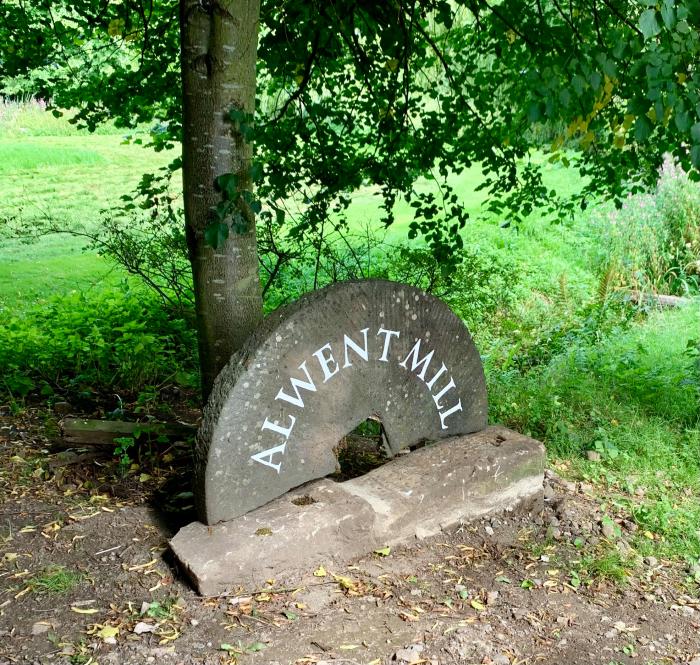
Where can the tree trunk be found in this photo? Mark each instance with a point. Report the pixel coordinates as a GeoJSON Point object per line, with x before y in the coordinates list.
{"type": "Point", "coordinates": [219, 44]}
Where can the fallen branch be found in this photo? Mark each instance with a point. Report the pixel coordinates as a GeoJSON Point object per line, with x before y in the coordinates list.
{"type": "Point", "coordinates": [87, 432]}
{"type": "Point", "coordinates": [658, 299]}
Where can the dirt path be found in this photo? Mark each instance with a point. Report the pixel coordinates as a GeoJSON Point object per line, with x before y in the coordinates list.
{"type": "Point", "coordinates": [85, 577]}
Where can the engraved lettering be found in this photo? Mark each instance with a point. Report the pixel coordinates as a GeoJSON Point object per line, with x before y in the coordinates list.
{"type": "Point", "coordinates": [387, 341]}
{"type": "Point", "coordinates": [265, 457]}
{"type": "Point", "coordinates": [416, 362]}
{"type": "Point", "coordinates": [449, 412]}
{"type": "Point", "coordinates": [438, 397]}
{"type": "Point", "coordinates": [296, 384]}
{"type": "Point", "coordinates": [362, 352]}
{"type": "Point", "coordinates": [325, 361]}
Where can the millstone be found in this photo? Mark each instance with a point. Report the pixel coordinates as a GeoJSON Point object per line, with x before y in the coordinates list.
{"type": "Point", "coordinates": [317, 369]}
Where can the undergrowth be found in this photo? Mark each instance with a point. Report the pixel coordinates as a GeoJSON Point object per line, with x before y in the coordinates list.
{"type": "Point", "coordinates": [114, 340]}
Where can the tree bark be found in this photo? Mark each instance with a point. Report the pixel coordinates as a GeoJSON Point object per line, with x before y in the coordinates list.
{"type": "Point", "coordinates": [219, 44]}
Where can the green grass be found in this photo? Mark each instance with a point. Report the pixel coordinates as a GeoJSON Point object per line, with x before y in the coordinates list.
{"type": "Point", "coordinates": [55, 581]}
{"type": "Point", "coordinates": [29, 117]}
{"type": "Point", "coordinates": [69, 180]}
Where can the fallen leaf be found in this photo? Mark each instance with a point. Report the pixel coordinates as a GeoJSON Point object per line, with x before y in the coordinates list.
{"type": "Point", "coordinates": [320, 572]}
{"type": "Point", "coordinates": [477, 605]}
{"type": "Point", "coordinates": [108, 631]}
{"type": "Point", "coordinates": [383, 551]}
{"type": "Point", "coordinates": [255, 646]}
{"type": "Point", "coordinates": [84, 610]}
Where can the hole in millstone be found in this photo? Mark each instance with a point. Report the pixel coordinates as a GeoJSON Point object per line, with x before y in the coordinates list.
{"type": "Point", "coordinates": [305, 500]}
{"type": "Point", "coordinates": [360, 451]}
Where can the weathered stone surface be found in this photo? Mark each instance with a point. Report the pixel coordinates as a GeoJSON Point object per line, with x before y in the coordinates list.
{"type": "Point", "coordinates": [413, 496]}
{"type": "Point", "coordinates": [315, 371]}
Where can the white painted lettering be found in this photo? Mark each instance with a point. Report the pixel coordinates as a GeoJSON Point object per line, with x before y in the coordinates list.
{"type": "Point", "coordinates": [387, 341]}
{"type": "Point", "coordinates": [265, 457]}
{"type": "Point", "coordinates": [415, 362]}
{"type": "Point", "coordinates": [296, 384]}
{"type": "Point", "coordinates": [276, 427]}
{"type": "Point", "coordinates": [438, 397]}
{"type": "Point", "coordinates": [325, 361]}
{"type": "Point", "coordinates": [438, 374]}
{"type": "Point", "coordinates": [362, 352]}
{"type": "Point", "coordinates": [449, 412]}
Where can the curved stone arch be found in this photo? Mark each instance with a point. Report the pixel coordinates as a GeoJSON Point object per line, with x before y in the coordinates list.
{"type": "Point", "coordinates": [318, 368]}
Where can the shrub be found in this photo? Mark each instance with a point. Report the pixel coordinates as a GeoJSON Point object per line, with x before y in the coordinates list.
{"type": "Point", "coordinates": [653, 241]}
{"type": "Point", "coordinates": [114, 340]}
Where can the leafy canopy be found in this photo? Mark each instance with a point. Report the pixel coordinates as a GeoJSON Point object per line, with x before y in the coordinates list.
{"type": "Point", "coordinates": [354, 93]}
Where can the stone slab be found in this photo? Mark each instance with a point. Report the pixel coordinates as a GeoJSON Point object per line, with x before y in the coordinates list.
{"type": "Point", "coordinates": [316, 370]}
{"type": "Point", "coordinates": [412, 496]}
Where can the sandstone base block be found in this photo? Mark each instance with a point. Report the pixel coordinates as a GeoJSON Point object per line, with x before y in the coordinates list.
{"type": "Point", "coordinates": [413, 496]}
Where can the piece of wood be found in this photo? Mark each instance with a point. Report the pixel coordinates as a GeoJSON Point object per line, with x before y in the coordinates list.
{"type": "Point", "coordinates": [659, 299]}
{"type": "Point", "coordinates": [90, 432]}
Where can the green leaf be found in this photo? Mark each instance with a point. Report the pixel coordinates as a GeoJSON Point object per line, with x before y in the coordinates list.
{"type": "Point", "coordinates": [695, 132]}
{"type": "Point", "coordinates": [383, 551]}
{"type": "Point", "coordinates": [642, 128]}
{"type": "Point", "coordinates": [695, 156]}
{"type": "Point", "coordinates": [256, 171]}
{"type": "Point", "coordinates": [255, 646]}
{"type": "Point", "coordinates": [292, 616]}
{"type": "Point", "coordinates": [228, 184]}
{"type": "Point", "coordinates": [527, 584]}
{"type": "Point", "coordinates": [668, 14]}
{"type": "Point", "coordinates": [648, 24]}
{"type": "Point", "coordinates": [216, 234]}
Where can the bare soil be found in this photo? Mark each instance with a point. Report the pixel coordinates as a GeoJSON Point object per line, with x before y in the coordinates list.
{"type": "Point", "coordinates": [86, 577]}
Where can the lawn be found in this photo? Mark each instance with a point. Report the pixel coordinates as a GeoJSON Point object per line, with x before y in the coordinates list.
{"type": "Point", "coordinates": [70, 179]}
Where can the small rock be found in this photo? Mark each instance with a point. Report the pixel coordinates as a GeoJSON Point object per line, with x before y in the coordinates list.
{"type": "Point", "coordinates": [630, 526]}
{"type": "Point", "coordinates": [568, 486]}
{"type": "Point", "coordinates": [489, 531]}
{"type": "Point", "coordinates": [491, 597]}
{"type": "Point", "coordinates": [608, 530]}
{"type": "Point", "coordinates": [553, 521]}
{"type": "Point", "coordinates": [612, 633]}
{"type": "Point", "coordinates": [410, 654]}
{"type": "Point", "coordinates": [593, 456]}
{"type": "Point", "coordinates": [62, 408]}
{"type": "Point", "coordinates": [143, 627]}
{"type": "Point", "coordinates": [500, 659]}
{"type": "Point", "coordinates": [554, 533]}
{"type": "Point", "coordinates": [40, 627]}
{"type": "Point", "coordinates": [544, 558]}
{"type": "Point", "coordinates": [687, 610]}
{"type": "Point", "coordinates": [651, 561]}
{"type": "Point", "coordinates": [549, 492]}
